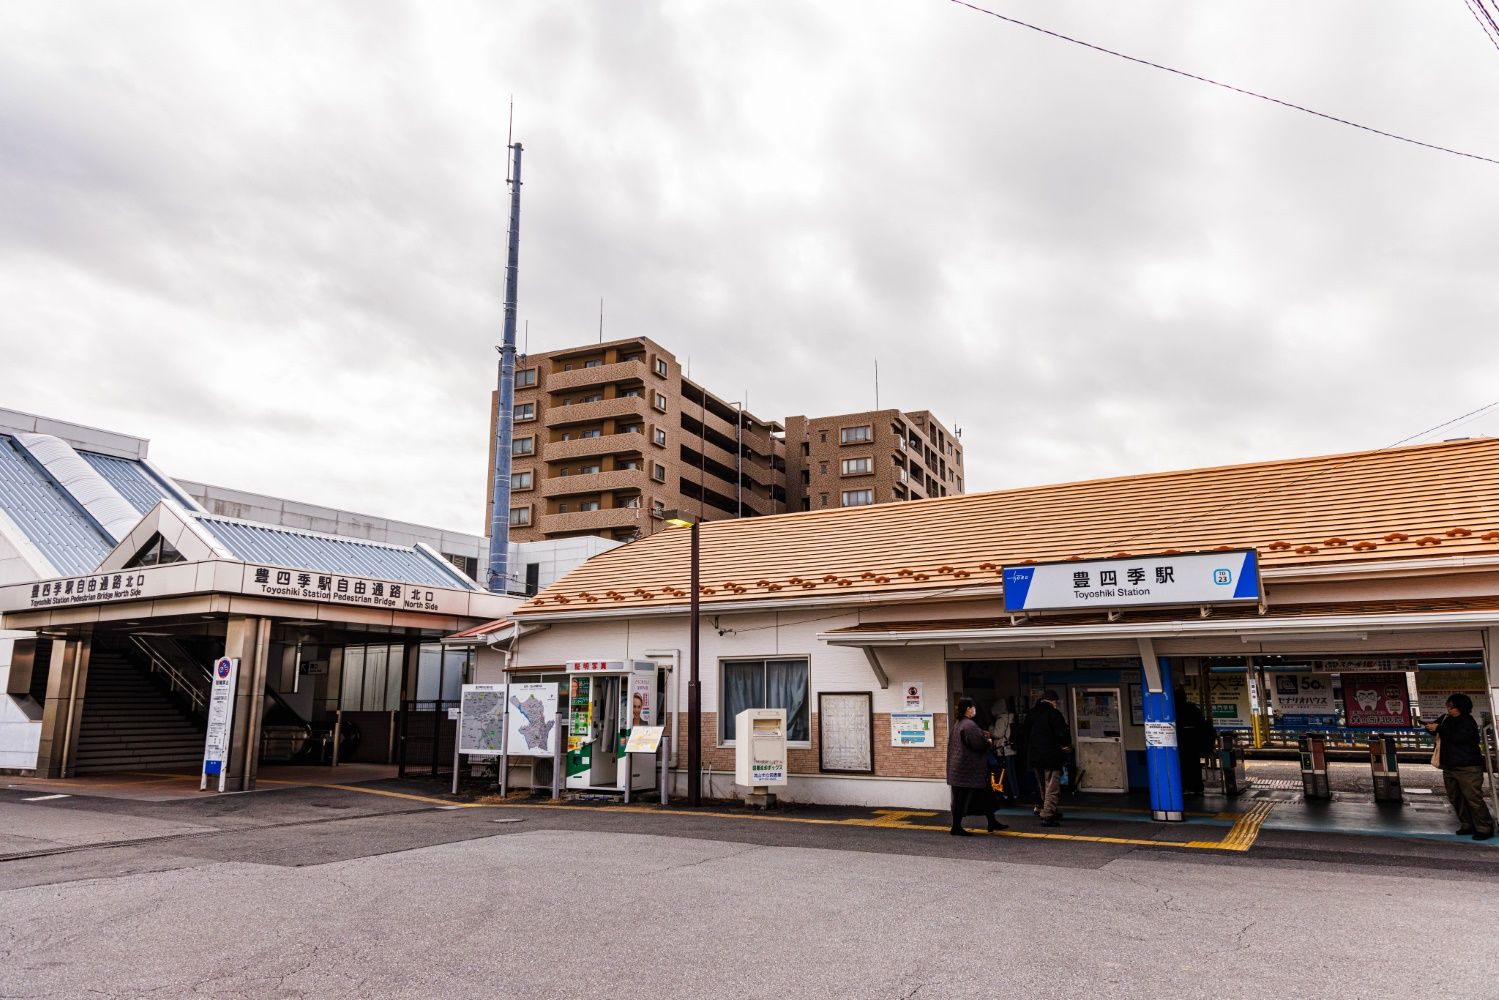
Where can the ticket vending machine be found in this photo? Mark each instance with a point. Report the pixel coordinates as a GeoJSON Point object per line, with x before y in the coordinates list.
{"type": "Point", "coordinates": [605, 699]}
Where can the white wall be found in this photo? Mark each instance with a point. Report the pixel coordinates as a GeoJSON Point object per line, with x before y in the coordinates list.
{"type": "Point", "coordinates": [768, 634]}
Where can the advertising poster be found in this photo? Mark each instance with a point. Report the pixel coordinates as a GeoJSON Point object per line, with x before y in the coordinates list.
{"type": "Point", "coordinates": [1434, 687]}
{"type": "Point", "coordinates": [1229, 694]}
{"type": "Point", "coordinates": [642, 696]}
{"type": "Point", "coordinates": [1304, 699]}
{"type": "Point", "coordinates": [1376, 701]}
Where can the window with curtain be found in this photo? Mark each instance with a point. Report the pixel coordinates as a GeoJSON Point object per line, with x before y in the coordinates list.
{"type": "Point", "coordinates": [765, 684]}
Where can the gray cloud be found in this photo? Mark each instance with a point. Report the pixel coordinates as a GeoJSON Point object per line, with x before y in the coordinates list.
{"type": "Point", "coordinates": [272, 238]}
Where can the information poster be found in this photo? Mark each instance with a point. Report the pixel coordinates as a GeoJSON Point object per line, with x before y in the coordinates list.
{"type": "Point", "coordinates": [1304, 699]}
{"type": "Point", "coordinates": [644, 739]}
{"type": "Point", "coordinates": [1376, 701]}
{"type": "Point", "coordinates": [912, 729]}
{"type": "Point", "coordinates": [1097, 715]}
{"type": "Point", "coordinates": [1230, 700]}
{"type": "Point", "coordinates": [533, 720]}
{"type": "Point", "coordinates": [1434, 687]}
{"type": "Point", "coordinates": [915, 700]}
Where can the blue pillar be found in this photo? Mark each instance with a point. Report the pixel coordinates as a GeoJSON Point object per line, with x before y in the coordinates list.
{"type": "Point", "coordinates": [1161, 761]}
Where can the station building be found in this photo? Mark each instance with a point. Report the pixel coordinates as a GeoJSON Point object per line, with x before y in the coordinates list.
{"type": "Point", "coordinates": [120, 585]}
{"type": "Point", "coordinates": [865, 624]}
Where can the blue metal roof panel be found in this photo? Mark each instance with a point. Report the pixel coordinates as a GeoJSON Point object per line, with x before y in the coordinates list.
{"type": "Point", "coordinates": [64, 534]}
{"type": "Point", "coordinates": [292, 549]}
{"type": "Point", "coordinates": [131, 480]}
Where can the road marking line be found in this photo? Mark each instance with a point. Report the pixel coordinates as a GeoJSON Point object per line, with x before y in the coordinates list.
{"type": "Point", "coordinates": [405, 795]}
{"type": "Point", "coordinates": [46, 798]}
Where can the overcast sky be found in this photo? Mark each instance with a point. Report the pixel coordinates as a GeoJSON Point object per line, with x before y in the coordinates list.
{"type": "Point", "coordinates": [270, 237]}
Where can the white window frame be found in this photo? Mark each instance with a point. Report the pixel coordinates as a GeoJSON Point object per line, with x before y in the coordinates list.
{"type": "Point", "coordinates": [864, 467]}
{"type": "Point", "coordinates": [523, 445]}
{"type": "Point", "coordinates": [525, 377]}
{"type": "Point", "coordinates": [522, 412]}
{"type": "Point", "coordinates": [861, 503]}
{"type": "Point", "coordinates": [525, 517]}
{"type": "Point", "coordinates": [522, 481]}
{"type": "Point", "coordinates": [762, 660]}
{"type": "Point", "coordinates": [860, 434]}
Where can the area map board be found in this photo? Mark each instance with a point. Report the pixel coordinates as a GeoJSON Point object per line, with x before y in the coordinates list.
{"type": "Point", "coordinates": [533, 720]}
{"type": "Point", "coordinates": [481, 720]}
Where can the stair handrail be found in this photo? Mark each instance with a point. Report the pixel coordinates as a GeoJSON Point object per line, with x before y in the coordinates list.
{"type": "Point", "coordinates": [179, 675]}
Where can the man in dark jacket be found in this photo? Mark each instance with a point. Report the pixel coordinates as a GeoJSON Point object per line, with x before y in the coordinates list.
{"type": "Point", "coordinates": [1461, 761]}
{"type": "Point", "coordinates": [1047, 743]}
{"type": "Point", "coordinates": [1194, 740]}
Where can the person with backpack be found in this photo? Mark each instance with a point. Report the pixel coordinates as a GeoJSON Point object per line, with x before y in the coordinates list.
{"type": "Point", "coordinates": [1048, 741]}
{"type": "Point", "coordinates": [968, 770]}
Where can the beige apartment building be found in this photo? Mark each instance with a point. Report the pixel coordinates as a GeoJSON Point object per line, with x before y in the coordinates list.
{"type": "Point", "coordinates": [607, 432]}
{"type": "Point", "coordinates": [878, 456]}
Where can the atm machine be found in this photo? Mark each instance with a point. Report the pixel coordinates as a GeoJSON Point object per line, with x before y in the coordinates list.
{"type": "Point", "coordinates": [605, 699]}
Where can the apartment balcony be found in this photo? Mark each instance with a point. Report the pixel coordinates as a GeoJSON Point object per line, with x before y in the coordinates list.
{"type": "Point", "coordinates": [594, 520]}
{"type": "Point", "coordinates": [757, 471]}
{"type": "Point", "coordinates": [758, 441]}
{"type": "Point", "coordinates": [594, 482]}
{"type": "Point", "coordinates": [579, 378]}
{"type": "Point", "coordinates": [608, 444]}
{"type": "Point", "coordinates": [604, 409]}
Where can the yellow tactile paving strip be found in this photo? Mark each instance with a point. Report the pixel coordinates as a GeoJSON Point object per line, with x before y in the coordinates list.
{"type": "Point", "coordinates": [1240, 837]}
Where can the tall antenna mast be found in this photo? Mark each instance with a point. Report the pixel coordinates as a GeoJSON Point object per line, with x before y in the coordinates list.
{"type": "Point", "coordinates": [876, 383]}
{"type": "Point", "coordinates": [499, 519]}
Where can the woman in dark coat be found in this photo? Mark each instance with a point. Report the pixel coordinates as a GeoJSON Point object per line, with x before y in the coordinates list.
{"type": "Point", "coordinates": [968, 770]}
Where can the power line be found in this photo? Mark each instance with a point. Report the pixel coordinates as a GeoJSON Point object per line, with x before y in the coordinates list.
{"type": "Point", "coordinates": [1224, 86]}
{"type": "Point", "coordinates": [1326, 470]}
{"type": "Point", "coordinates": [1485, 21]}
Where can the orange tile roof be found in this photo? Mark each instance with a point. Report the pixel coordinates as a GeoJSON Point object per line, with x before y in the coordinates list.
{"type": "Point", "coordinates": [1417, 501]}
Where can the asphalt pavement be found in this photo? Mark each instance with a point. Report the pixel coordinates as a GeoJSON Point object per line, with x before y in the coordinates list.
{"type": "Point", "coordinates": [388, 891]}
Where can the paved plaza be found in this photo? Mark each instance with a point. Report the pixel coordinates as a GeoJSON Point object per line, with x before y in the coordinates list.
{"type": "Point", "coordinates": [387, 890]}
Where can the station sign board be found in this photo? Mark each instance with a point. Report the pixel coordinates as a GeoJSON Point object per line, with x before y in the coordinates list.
{"type": "Point", "coordinates": [220, 721]}
{"type": "Point", "coordinates": [1184, 579]}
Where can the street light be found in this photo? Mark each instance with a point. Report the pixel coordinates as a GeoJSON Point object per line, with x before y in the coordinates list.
{"type": "Point", "coordinates": [682, 519]}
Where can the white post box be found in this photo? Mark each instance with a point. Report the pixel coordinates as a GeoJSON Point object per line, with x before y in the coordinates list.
{"type": "Point", "coordinates": [760, 747]}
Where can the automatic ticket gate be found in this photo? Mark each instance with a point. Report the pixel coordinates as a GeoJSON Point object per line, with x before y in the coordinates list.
{"type": "Point", "coordinates": [1231, 764]}
{"type": "Point", "coordinates": [1385, 766]}
{"type": "Point", "coordinates": [1314, 783]}
{"type": "Point", "coordinates": [606, 699]}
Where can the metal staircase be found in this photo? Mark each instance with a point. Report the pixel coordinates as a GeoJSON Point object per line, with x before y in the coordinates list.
{"type": "Point", "coordinates": [130, 723]}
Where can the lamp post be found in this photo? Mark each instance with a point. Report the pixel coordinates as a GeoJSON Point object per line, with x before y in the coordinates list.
{"type": "Point", "coordinates": [694, 687]}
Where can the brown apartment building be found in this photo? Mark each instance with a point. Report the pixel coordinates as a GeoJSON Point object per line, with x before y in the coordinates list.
{"type": "Point", "coordinates": [604, 433]}
{"type": "Point", "coordinates": [866, 458]}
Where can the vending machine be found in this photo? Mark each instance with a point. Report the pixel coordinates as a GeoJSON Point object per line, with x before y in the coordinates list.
{"type": "Point", "coordinates": [606, 699]}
